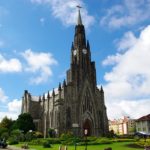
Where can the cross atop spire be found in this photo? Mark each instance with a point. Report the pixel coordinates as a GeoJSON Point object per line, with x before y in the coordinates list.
{"type": "Point", "coordinates": [79, 21]}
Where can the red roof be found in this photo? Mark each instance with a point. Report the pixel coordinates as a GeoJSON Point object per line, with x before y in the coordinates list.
{"type": "Point", "coordinates": [144, 118]}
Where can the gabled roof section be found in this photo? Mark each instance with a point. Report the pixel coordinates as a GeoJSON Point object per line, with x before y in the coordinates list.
{"type": "Point", "coordinates": [144, 118]}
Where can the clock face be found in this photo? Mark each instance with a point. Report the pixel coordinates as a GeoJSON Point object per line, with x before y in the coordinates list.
{"type": "Point", "coordinates": [84, 51]}
{"type": "Point", "coordinates": [75, 52]}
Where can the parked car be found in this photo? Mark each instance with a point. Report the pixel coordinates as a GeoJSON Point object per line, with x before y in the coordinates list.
{"type": "Point", "coordinates": [3, 143]}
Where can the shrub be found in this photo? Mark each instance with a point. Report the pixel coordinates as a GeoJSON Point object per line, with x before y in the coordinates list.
{"type": "Point", "coordinates": [5, 135]}
{"type": "Point", "coordinates": [18, 135]}
{"type": "Point", "coordinates": [123, 140]}
{"type": "Point", "coordinates": [46, 144]}
{"type": "Point", "coordinates": [143, 143]}
{"type": "Point", "coordinates": [37, 134]}
{"type": "Point", "coordinates": [37, 142]}
{"type": "Point", "coordinates": [136, 138]}
{"type": "Point", "coordinates": [69, 141]}
{"type": "Point", "coordinates": [3, 130]}
{"type": "Point", "coordinates": [67, 135]}
{"type": "Point", "coordinates": [103, 141]}
{"type": "Point", "coordinates": [95, 141]}
{"type": "Point", "coordinates": [91, 138]}
{"type": "Point", "coordinates": [54, 140]}
{"type": "Point", "coordinates": [29, 136]}
{"type": "Point", "coordinates": [13, 141]}
{"type": "Point", "coordinates": [51, 132]}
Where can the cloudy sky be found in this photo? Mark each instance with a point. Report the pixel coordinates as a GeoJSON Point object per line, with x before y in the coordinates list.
{"type": "Point", "coordinates": [35, 41]}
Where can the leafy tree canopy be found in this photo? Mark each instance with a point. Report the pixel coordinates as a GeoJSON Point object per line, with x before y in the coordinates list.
{"type": "Point", "coordinates": [6, 123]}
{"type": "Point", "coordinates": [25, 122]}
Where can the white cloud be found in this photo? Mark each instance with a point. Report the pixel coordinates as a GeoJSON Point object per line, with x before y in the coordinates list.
{"type": "Point", "coordinates": [39, 62]}
{"type": "Point", "coordinates": [111, 60]}
{"type": "Point", "coordinates": [11, 65]}
{"type": "Point", "coordinates": [127, 88]}
{"type": "Point", "coordinates": [127, 41]}
{"type": "Point", "coordinates": [13, 110]}
{"type": "Point", "coordinates": [132, 108]}
{"type": "Point", "coordinates": [126, 14]}
{"type": "Point", "coordinates": [14, 106]}
{"type": "Point", "coordinates": [66, 11]}
{"type": "Point", "coordinates": [3, 97]}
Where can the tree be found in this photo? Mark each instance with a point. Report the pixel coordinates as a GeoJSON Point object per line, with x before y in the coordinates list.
{"type": "Point", "coordinates": [3, 130]}
{"type": "Point", "coordinates": [6, 123]}
{"type": "Point", "coordinates": [25, 123]}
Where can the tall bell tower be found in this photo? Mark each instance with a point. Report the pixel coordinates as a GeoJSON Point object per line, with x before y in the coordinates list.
{"type": "Point", "coordinates": [85, 99]}
{"type": "Point", "coordinates": [81, 65]}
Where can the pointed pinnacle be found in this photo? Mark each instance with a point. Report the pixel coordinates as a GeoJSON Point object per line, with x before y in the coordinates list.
{"type": "Point", "coordinates": [79, 18]}
{"type": "Point", "coordinates": [39, 98]}
{"type": "Point", "coordinates": [72, 46]}
{"type": "Point", "coordinates": [102, 89]}
{"type": "Point", "coordinates": [43, 98]}
{"type": "Point", "coordinates": [88, 45]}
{"type": "Point", "coordinates": [48, 95]}
{"type": "Point", "coordinates": [64, 83]}
{"type": "Point", "coordinates": [59, 87]}
{"type": "Point", "coordinates": [53, 93]}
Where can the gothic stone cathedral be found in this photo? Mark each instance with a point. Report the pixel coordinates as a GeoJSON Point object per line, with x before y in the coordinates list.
{"type": "Point", "coordinates": [77, 104]}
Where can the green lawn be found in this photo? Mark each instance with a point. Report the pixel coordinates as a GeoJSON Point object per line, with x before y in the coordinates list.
{"type": "Point", "coordinates": [114, 146]}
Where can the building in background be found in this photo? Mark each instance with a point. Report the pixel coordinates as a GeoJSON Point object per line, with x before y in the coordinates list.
{"type": "Point", "coordinates": [122, 126]}
{"type": "Point", "coordinates": [143, 124]}
{"type": "Point", "coordinates": [78, 102]}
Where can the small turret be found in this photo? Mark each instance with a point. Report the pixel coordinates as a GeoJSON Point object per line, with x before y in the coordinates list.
{"type": "Point", "coordinates": [26, 94]}
{"type": "Point", "coordinates": [72, 46]}
{"type": "Point", "coordinates": [88, 45]}
{"type": "Point", "coordinates": [43, 98]}
{"type": "Point", "coordinates": [59, 87]}
{"type": "Point", "coordinates": [48, 95]}
{"type": "Point", "coordinates": [101, 90]}
{"type": "Point", "coordinates": [40, 99]}
{"type": "Point", "coordinates": [53, 93]}
{"type": "Point", "coordinates": [25, 91]}
{"type": "Point", "coordinates": [64, 83]}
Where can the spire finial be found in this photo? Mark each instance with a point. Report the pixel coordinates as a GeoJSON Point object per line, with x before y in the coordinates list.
{"type": "Point", "coordinates": [79, 16]}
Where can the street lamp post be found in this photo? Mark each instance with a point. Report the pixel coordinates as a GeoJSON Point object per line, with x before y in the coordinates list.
{"type": "Point", "coordinates": [85, 133]}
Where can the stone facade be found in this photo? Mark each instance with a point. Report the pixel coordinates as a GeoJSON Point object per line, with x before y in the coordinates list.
{"type": "Point", "coordinates": [77, 104]}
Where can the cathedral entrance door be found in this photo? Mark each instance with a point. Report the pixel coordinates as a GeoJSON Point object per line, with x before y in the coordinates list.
{"type": "Point", "coordinates": [88, 126]}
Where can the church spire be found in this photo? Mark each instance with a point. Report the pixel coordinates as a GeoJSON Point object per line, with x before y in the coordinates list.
{"type": "Point", "coordinates": [79, 22]}
{"type": "Point", "coordinates": [79, 37]}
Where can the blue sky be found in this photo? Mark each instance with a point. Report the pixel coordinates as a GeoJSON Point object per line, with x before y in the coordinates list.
{"type": "Point", "coordinates": [35, 42]}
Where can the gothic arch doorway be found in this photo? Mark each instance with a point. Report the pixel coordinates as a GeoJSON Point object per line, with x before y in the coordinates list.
{"type": "Point", "coordinates": [87, 124]}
